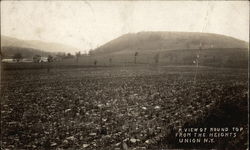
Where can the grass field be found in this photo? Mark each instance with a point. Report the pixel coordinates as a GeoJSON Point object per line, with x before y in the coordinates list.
{"type": "Point", "coordinates": [119, 107]}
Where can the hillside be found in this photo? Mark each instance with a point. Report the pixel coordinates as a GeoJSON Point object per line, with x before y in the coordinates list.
{"type": "Point", "coordinates": [8, 52]}
{"type": "Point", "coordinates": [7, 41]}
{"type": "Point", "coordinates": [174, 48]}
{"type": "Point", "coordinates": [155, 41]}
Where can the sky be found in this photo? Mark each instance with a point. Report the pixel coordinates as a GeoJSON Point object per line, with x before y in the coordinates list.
{"type": "Point", "coordinates": [88, 24]}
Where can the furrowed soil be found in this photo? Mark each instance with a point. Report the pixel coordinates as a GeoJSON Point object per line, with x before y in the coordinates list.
{"type": "Point", "coordinates": [119, 107]}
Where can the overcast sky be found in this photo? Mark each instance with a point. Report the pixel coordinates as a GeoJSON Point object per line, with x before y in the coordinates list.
{"type": "Point", "coordinates": [86, 25]}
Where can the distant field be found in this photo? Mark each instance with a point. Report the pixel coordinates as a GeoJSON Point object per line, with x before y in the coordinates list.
{"type": "Point", "coordinates": [109, 107]}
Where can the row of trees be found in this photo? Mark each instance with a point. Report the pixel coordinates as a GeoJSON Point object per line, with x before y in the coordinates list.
{"type": "Point", "coordinates": [17, 57]}
{"type": "Point", "coordinates": [38, 58]}
{"type": "Point", "coordinates": [156, 59]}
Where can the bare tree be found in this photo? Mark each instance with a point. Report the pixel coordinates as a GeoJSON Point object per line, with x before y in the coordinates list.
{"type": "Point", "coordinates": [50, 59]}
{"type": "Point", "coordinates": [110, 61]}
{"type": "Point", "coordinates": [136, 54]}
{"type": "Point", "coordinates": [78, 54]}
{"type": "Point", "coordinates": [157, 56]}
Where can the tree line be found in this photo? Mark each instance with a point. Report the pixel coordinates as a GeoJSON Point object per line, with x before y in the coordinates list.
{"type": "Point", "coordinates": [18, 57]}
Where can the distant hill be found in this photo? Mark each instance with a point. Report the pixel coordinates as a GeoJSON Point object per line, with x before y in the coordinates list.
{"type": "Point", "coordinates": [158, 41]}
{"type": "Point", "coordinates": [7, 41]}
{"type": "Point", "coordinates": [8, 52]}
{"type": "Point", "coordinates": [174, 48]}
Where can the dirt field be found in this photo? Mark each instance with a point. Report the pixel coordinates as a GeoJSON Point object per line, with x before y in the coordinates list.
{"type": "Point", "coordinates": [119, 107]}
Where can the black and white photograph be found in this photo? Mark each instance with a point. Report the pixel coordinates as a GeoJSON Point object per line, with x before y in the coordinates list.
{"type": "Point", "coordinates": [124, 75]}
